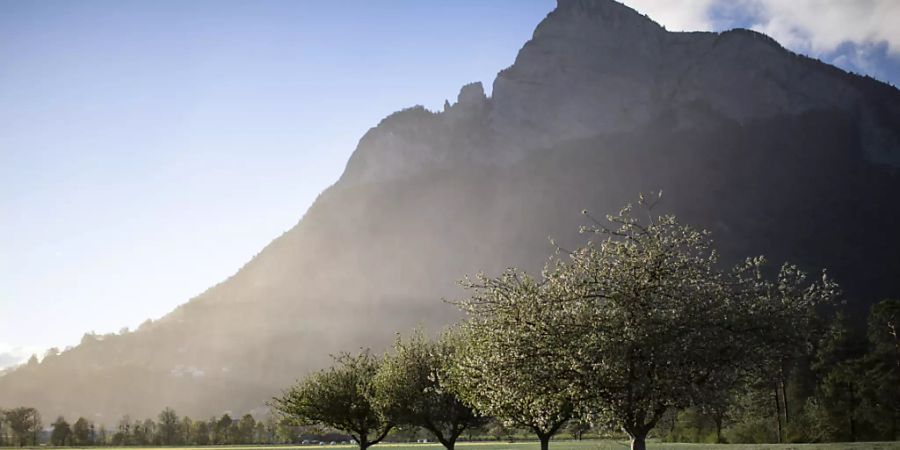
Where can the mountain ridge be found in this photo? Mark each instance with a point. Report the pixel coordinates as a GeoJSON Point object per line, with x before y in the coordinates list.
{"type": "Point", "coordinates": [682, 76]}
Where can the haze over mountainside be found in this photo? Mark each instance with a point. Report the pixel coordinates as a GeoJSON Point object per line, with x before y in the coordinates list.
{"type": "Point", "coordinates": [775, 153]}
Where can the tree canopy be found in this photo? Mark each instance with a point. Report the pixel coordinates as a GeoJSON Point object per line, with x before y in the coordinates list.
{"type": "Point", "coordinates": [510, 366]}
{"type": "Point", "coordinates": [635, 323]}
{"type": "Point", "coordinates": [342, 397]}
{"type": "Point", "coordinates": [413, 387]}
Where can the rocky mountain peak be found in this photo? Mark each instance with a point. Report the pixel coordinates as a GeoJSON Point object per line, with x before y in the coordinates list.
{"type": "Point", "coordinates": [594, 17]}
{"type": "Point", "coordinates": [596, 67]}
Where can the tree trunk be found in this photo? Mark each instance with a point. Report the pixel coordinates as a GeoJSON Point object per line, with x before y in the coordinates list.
{"type": "Point", "coordinates": [449, 444]}
{"type": "Point", "coordinates": [545, 440]}
{"type": "Point", "coordinates": [784, 399]}
{"type": "Point", "coordinates": [894, 413]}
{"type": "Point", "coordinates": [363, 441]}
{"type": "Point", "coordinates": [639, 441]}
{"type": "Point", "coordinates": [778, 414]}
{"type": "Point", "coordinates": [852, 414]}
{"type": "Point", "coordinates": [784, 403]}
{"type": "Point", "coordinates": [719, 439]}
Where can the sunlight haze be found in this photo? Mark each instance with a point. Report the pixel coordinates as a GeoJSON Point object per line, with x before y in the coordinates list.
{"type": "Point", "coordinates": [149, 149]}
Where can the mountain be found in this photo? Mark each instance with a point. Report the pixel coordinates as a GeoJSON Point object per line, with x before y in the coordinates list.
{"type": "Point", "coordinates": [775, 153]}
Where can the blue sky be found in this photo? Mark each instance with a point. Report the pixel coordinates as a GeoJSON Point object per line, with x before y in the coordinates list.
{"type": "Point", "coordinates": [149, 149]}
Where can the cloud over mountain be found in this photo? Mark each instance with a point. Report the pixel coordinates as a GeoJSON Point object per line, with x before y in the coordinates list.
{"type": "Point", "coordinates": [858, 35]}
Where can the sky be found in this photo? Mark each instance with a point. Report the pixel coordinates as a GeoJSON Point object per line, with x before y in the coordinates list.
{"type": "Point", "coordinates": [148, 149]}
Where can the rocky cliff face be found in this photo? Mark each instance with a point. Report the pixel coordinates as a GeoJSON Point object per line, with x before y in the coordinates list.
{"type": "Point", "coordinates": [775, 153]}
{"type": "Point", "coordinates": [595, 67]}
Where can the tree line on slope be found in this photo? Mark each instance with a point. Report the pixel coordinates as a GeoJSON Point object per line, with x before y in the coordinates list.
{"type": "Point", "coordinates": [22, 426]}
{"type": "Point", "coordinates": [639, 331]}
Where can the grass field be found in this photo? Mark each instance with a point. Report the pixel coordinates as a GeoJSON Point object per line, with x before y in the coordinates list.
{"type": "Point", "coordinates": [560, 445]}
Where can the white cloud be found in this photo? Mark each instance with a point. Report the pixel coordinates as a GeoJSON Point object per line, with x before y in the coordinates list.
{"type": "Point", "coordinates": [677, 15]}
{"type": "Point", "coordinates": [810, 26]}
{"type": "Point", "coordinates": [820, 26]}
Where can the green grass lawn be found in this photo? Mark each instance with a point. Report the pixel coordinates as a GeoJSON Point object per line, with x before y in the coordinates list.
{"type": "Point", "coordinates": [564, 445]}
